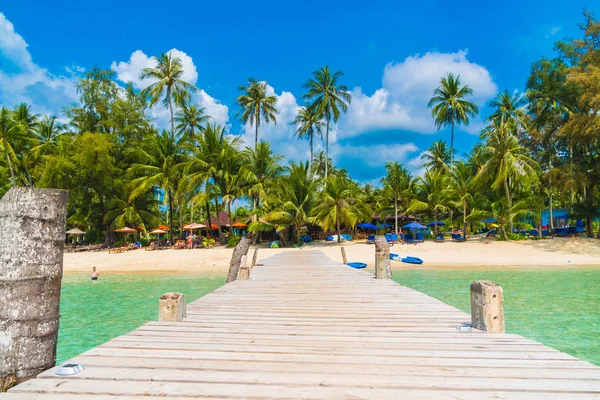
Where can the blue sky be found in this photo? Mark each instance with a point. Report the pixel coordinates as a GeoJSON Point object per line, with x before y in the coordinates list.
{"type": "Point", "coordinates": [392, 54]}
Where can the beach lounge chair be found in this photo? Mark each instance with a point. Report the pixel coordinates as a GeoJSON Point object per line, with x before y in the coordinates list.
{"type": "Point", "coordinates": [457, 237]}
{"type": "Point", "coordinates": [420, 237]}
{"type": "Point", "coordinates": [576, 230]}
{"type": "Point", "coordinates": [534, 233]}
{"type": "Point", "coordinates": [407, 238]}
{"type": "Point", "coordinates": [370, 239]}
{"type": "Point", "coordinates": [394, 238]}
{"type": "Point", "coordinates": [547, 234]}
{"type": "Point", "coordinates": [439, 238]}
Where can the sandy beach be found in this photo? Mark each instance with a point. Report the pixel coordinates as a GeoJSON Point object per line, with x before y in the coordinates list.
{"type": "Point", "coordinates": [558, 252]}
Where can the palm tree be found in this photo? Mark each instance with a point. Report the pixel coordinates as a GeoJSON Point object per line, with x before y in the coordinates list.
{"type": "Point", "coordinates": [321, 163]}
{"type": "Point", "coordinates": [261, 167]}
{"type": "Point", "coordinates": [396, 181]}
{"type": "Point", "coordinates": [46, 135]}
{"type": "Point", "coordinates": [449, 106]}
{"type": "Point", "coordinates": [22, 115]}
{"type": "Point", "coordinates": [432, 195]}
{"type": "Point", "coordinates": [340, 202]}
{"type": "Point", "coordinates": [437, 156]}
{"type": "Point", "coordinates": [293, 198]}
{"type": "Point", "coordinates": [256, 105]}
{"type": "Point", "coordinates": [463, 188]}
{"type": "Point", "coordinates": [168, 84]}
{"type": "Point", "coordinates": [10, 132]}
{"type": "Point", "coordinates": [308, 124]}
{"type": "Point", "coordinates": [158, 166]}
{"type": "Point", "coordinates": [329, 99]}
{"type": "Point", "coordinates": [508, 162]}
{"type": "Point", "coordinates": [190, 119]}
{"type": "Point", "coordinates": [511, 110]}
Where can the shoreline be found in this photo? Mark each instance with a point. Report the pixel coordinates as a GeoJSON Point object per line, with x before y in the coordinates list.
{"type": "Point", "coordinates": [474, 254]}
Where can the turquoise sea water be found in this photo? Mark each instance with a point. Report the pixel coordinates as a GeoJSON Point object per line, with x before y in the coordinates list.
{"type": "Point", "coordinates": [559, 307]}
{"type": "Point", "coordinates": [93, 313]}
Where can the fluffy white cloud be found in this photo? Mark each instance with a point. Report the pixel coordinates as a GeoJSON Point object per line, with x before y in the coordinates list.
{"type": "Point", "coordinates": [129, 71]}
{"type": "Point", "coordinates": [22, 80]}
{"type": "Point", "coordinates": [401, 102]}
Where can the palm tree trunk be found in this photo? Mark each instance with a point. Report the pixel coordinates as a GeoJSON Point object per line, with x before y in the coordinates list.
{"type": "Point", "coordinates": [229, 220]}
{"type": "Point", "coordinates": [13, 180]}
{"type": "Point", "coordinates": [208, 217]}
{"type": "Point", "coordinates": [311, 150]}
{"type": "Point", "coordinates": [452, 146]}
{"type": "Point", "coordinates": [396, 213]}
{"type": "Point", "coordinates": [327, 149]}
{"type": "Point", "coordinates": [256, 131]}
{"type": "Point", "coordinates": [509, 205]}
{"type": "Point", "coordinates": [221, 235]}
{"type": "Point", "coordinates": [172, 116]}
{"type": "Point", "coordinates": [503, 228]}
{"type": "Point", "coordinates": [337, 223]}
{"type": "Point", "coordinates": [435, 221]}
{"type": "Point", "coordinates": [465, 219]}
{"type": "Point", "coordinates": [170, 216]}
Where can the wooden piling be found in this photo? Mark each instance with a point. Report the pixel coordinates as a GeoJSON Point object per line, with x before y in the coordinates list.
{"type": "Point", "coordinates": [344, 258]}
{"type": "Point", "coordinates": [241, 249]}
{"type": "Point", "coordinates": [487, 307]}
{"type": "Point", "coordinates": [383, 268]}
{"type": "Point", "coordinates": [244, 273]}
{"type": "Point", "coordinates": [32, 234]}
{"type": "Point", "coordinates": [171, 307]}
{"type": "Point", "coordinates": [254, 256]}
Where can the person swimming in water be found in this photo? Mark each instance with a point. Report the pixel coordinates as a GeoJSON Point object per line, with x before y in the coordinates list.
{"type": "Point", "coordinates": [95, 274]}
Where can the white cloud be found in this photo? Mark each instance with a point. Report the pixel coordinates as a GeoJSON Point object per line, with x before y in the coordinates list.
{"type": "Point", "coordinates": [553, 31]}
{"type": "Point", "coordinates": [129, 71]}
{"type": "Point", "coordinates": [401, 102]}
{"type": "Point", "coordinates": [375, 155]}
{"type": "Point", "coordinates": [23, 80]}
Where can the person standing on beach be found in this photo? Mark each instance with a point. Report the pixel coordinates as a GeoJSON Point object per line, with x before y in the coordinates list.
{"type": "Point", "coordinates": [95, 274]}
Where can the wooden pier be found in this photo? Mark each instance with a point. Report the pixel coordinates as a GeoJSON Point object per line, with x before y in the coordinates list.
{"type": "Point", "coordinates": [306, 327]}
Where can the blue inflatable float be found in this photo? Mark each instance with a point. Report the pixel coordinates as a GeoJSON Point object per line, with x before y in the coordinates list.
{"type": "Point", "coordinates": [408, 259]}
{"type": "Point", "coordinates": [357, 265]}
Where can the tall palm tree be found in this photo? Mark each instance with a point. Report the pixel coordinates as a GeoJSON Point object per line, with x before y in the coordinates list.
{"type": "Point", "coordinates": [340, 202]}
{"type": "Point", "coordinates": [168, 84]}
{"type": "Point", "coordinates": [328, 97]}
{"type": "Point", "coordinates": [321, 163]}
{"type": "Point", "coordinates": [508, 162]}
{"type": "Point", "coordinates": [256, 105]}
{"type": "Point", "coordinates": [308, 124]}
{"type": "Point", "coordinates": [46, 135]}
{"type": "Point", "coordinates": [190, 119]}
{"type": "Point", "coordinates": [508, 109]}
{"type": "Point", "coordinates": [432, 195]}
{"type": "Point", "coordinates": [261, 167]}
{"type": "Point", "coordinates": [158, 166]}
{"type": "Point", "coordinates": [397, 180]}
{"type": "Point", "coordinates": [437, 156]}
{"type": "Point", "coordinates": [23, 116]}
{"type": "Point", "coordinates": [449, 105]}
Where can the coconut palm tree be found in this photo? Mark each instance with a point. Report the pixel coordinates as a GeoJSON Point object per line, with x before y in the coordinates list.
{"type": "Point", "coordinates": [308, 124]}
{"type": "Point", "coordinates": [168, 85]}
{"type": "Point", "coordinates": [10, 133]}
{"type": "Point", "coordinates": [508, 163]}
{"type": "Point", "coordinates": [256, 106]}
{"type": "Point", "coordinates": [46, 135]}
{"type": "Point", "coordinates": [321, 163]}
{"type": "Point", "coordinates": [328, 98]}
{"type": "Point", "coordinates": [340, 202]}
{"type": "Point", "coordinates": [449, 106]}
{"type": "Point", "coordinates": [462, 186]}
{"type": "Point", "coordinates": [508, 109]}
{"type": "Point", "coordinates": [190, 120]}
{"type": "Point", "coordinates": [261, 167]}
{"type": "Point", "coordinates": [157, 166]}
{"type": "Point", "coordinates": [432, 195]}
{"type": "Point", "coordinates": [397, 181]}
{"type": "Point", "coordinates": [437, 156]}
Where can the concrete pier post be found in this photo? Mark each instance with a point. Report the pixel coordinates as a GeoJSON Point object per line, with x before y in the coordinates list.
{"type": "Point", "coordinates": [244, 273]}
{"type": "Point", "coordinates": [254, 257]}
{"type": "Point", "coordinates": [383, 268]}
{"type": "Point", "coordinates": [171, 307]}
{"type": "Point", "coordinates": [487, 307]}
{"type": "Point", "coordinates": [241, 249]}
{"type": "Point", "coordinates": [32, 234]}
{"type": "Point", "coordinates": [344, 258]}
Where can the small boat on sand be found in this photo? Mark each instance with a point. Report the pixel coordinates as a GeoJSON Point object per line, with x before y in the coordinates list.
{"type": "Point", "coordinates": [407, 259]}
{"type": "Point", "coordinates": [357, 265]}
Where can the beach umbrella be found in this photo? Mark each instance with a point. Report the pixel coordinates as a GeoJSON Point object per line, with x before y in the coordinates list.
{"type": "Point", "coordinates": [239, 225]}
{"type": "Point", "coordinates": [367, 225]}
{"type": "Point", "coordinates": [158, 232]}
{"type": "Point", "coordinates": [439, 223]}
{"type": "Point", "coordinates": [414, 225]}
{"type": "Point", "coordinates": [489, 220]}
{"type": "Point", "coordinates": [125, 229]}
{"type": "Point", "coordinates": [75, 232]}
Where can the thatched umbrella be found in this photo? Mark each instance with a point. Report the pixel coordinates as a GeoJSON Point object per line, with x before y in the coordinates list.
{"type": "Point", "coordinates": [75, 232]}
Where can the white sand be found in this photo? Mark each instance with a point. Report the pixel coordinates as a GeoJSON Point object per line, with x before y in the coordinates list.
{"type": "Point", "coordinates": [557, 252]}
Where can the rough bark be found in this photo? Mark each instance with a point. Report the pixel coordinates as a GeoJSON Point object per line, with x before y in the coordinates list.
{"type": "Point", "coordinates": [241, 249]}
{"type": "Point", "coordinates": [509, 205]}
{"type": "Point", "coordinates": [396, 214]}
{"type": "Point", "coordinates": [383, 267]}
{"type": "Point", "coordinates": [171, 216]}
{"type": "Point", "coordinates": [32, 233]}
{"type": "Point", "coordinates": [465, 219]}
{"type": "Point", "coordinates": [327, 149]}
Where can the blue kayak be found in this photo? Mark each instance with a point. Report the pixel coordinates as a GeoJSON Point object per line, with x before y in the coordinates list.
{"type": "Point", "coordinates": [408, 260]}
{"type": "Point", "coordinates": [357, 265]}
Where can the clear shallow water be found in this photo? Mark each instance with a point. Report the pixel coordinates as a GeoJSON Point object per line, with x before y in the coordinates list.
{"type": "Point", "coordinates": [558, 307]}
{"type": "Point", "coordinates": [93, 313]}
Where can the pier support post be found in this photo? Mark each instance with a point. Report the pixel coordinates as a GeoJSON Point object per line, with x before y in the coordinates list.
{"type": "Point", "coordinates": [487, 306]}
{"type": "Point", "coordinates": [244, 273]}
{"type": "Point", "coordinates": [344, 258]}
{"type": "Point", "coordinates": [171, 307]}
{"type": "Point", "coordinates": [254, 256]}
{"type": "Point", "coordinates": [383, 268]}
{"type": "Point", "coordinates": [241, 249]}
{"type": "Point", "coordinates": [32, 234]}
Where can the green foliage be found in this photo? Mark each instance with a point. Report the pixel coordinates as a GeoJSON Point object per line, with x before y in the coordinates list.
{"type": "Point", "coordinates": [233, 240]}
{"type": "Point", "coordinates": [207, 242]}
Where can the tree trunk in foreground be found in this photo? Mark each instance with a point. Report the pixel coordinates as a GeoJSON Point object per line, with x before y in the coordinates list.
{"type": "Point", "coordinates": [241, 249]}
{"type": "Point", "coordinates": [396, 214]}
{"type": "Point", "coordinates": [32, 233]}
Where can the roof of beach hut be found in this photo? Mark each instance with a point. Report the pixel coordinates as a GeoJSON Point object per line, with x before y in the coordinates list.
{"type": "Point", "coordinates": [158, 232]}
{"type": "Point", "coordinates": [75, 231]}
{"type": "Point", "coordinates": [239, 225]}
{"type": "Point", "coordinates": [125, 229]}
